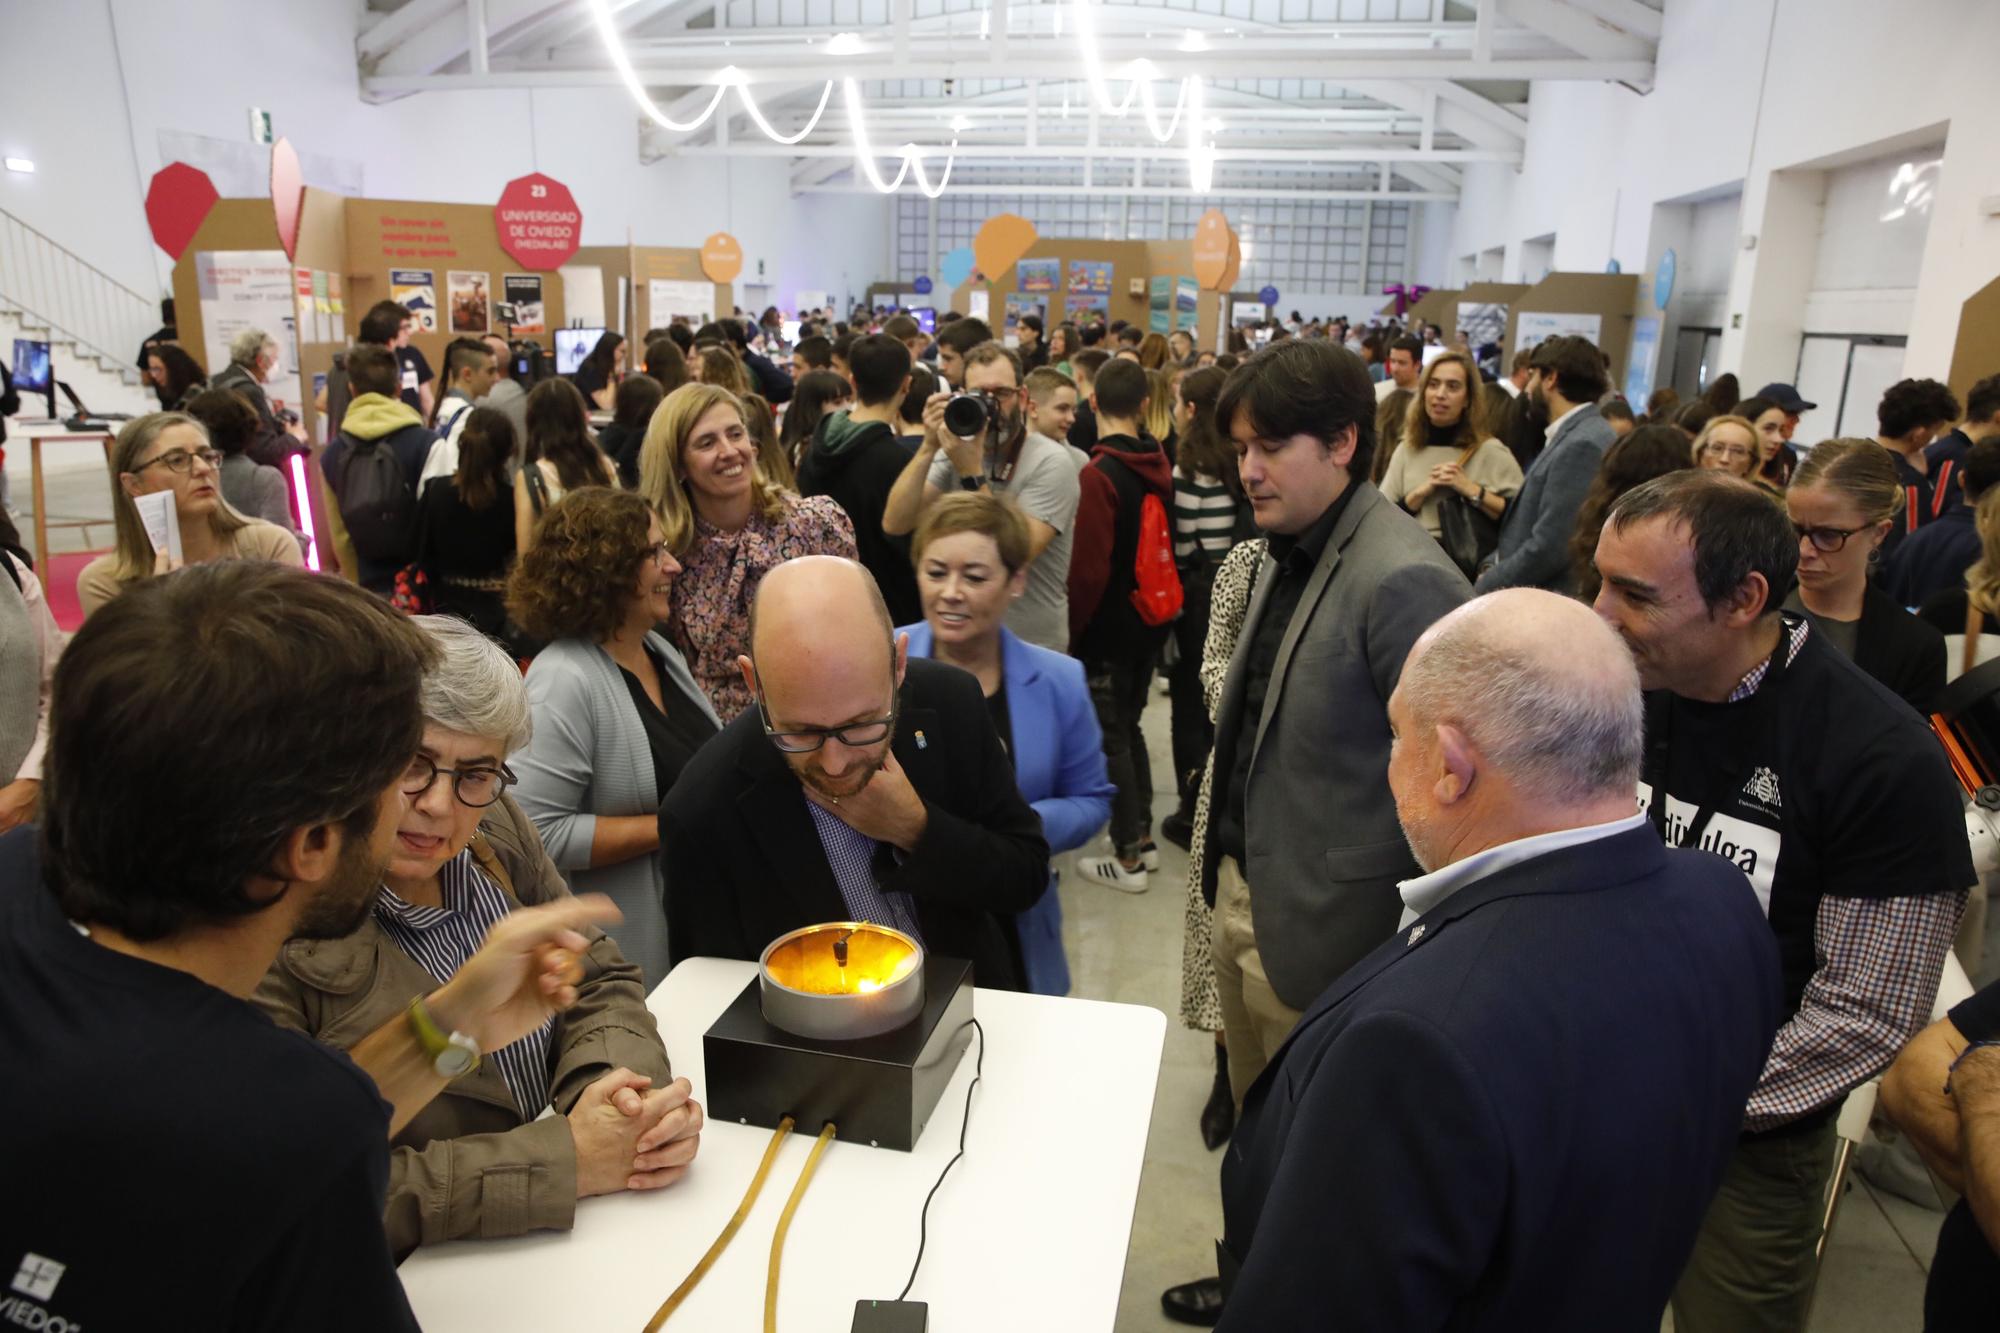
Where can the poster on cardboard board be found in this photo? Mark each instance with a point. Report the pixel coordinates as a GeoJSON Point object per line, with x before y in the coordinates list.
{"type": "Point", "coordinates": [1160, 305]}
{"type": "Point", "coordinates": [1187, 302]}
{"type": "Point", "coordinates": [416, 290]}
{"type": "Point", "coordinates": [1038, 275]}
{"type": "Point", "coordinates": [979, 304]}
{"type": "Point", "coordinates": [523, 291]}
{"type": "Point", "coordinates": [1482, 323]}
{"type": "Point", "coordinates": [471, 301]}
{"type": "Point", "coordinates": [251, 289]}
{"type": "Point", "coordinates": [1084, 303]}
{"type": "Point", "coordinates": [1089, 276]}
{"type": "Point", "coordinates": [1538, 326]}
{"type": "Point", "coordinates": [1019, 304]}
{"type": "Point", "coordinates": [668, 299]}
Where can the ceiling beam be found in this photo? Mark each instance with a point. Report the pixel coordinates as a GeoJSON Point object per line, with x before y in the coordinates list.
{"type": "Point", "coordinates": [1149, 192]}
{"type": "Point", "coordinates": [446, 38]}
{"type": "Point", "coordinates": [1580, 30]}
{"type": "Point", "coordinates": [1071, 152]}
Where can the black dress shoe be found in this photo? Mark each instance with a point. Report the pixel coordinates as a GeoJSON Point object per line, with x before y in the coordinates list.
{"type": "Point", "coordinates": [1218, 1118]}
{"type": "Point", "coordinates": [1198, 1303]}
{"type": "Point", "coordinates": [1177, 829]}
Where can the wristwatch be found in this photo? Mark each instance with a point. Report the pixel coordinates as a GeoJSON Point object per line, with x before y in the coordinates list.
{"type": "Point", "coordinates": [450, 1056]}
{"type": "Point", "coordinates": [973, 482]}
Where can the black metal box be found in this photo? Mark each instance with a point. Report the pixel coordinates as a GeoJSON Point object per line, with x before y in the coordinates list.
{"type": "Point", "coordinates": [879, 1090]}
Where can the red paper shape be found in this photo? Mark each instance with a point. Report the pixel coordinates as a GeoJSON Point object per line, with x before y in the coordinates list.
{"type": "Point", "coordinates": [176, 203]}
{"type": "Point", "coordinates": [539, 223]}
{"type": "Point", "coordinates": [288, 193]}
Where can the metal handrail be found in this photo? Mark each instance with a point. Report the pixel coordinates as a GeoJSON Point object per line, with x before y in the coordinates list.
{"type": "Point", "coordinates": [55, 288]}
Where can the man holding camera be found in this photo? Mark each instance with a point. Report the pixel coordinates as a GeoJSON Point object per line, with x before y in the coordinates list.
{"type": "Point", "coordinates": [979, 440]}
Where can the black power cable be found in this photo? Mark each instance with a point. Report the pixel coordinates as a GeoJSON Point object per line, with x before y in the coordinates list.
{"type": "Point", "coordinates": [923, 1219]}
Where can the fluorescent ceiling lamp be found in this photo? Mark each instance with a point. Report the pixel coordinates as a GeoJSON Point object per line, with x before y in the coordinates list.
{"type": "Point", "coordinates": [844, 44]}
{"type": "Point", "coordinates": [21, 164]}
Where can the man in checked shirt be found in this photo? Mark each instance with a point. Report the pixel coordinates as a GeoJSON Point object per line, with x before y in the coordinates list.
{"type": "Point", "coordinates": [1766, 745]}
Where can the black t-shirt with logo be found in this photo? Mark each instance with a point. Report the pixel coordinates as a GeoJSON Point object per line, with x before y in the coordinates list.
{"type": "Point", "coordinates": [172, 1158]}
{"type": "Point", "coordinates": [1823, 782]}
{"type": "Point", "coordinates": [415, 369]}
{"type": "Point", "coordinates": [1965, 1273]}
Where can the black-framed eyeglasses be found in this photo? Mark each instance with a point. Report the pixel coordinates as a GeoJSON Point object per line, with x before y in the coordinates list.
{"type": "Point", "coordinates": [1827, 540]}
{"type": "Point", "coordinates": [182, 460]}
{"type": "Point", "coordinates": [476, 787]}
{"type": "Point", "coordinates": [805, 740]}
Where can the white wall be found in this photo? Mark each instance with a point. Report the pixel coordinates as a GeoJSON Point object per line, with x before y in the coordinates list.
{"type": "Point", "coordinates": [94, 134]}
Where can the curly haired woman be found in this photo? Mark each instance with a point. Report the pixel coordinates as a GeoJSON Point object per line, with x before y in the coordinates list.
{"type": "Point", "coordinates": [616, 712]}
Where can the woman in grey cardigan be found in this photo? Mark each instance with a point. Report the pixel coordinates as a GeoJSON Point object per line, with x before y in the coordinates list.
{"type": "Point", "coordinates": [616, 712]}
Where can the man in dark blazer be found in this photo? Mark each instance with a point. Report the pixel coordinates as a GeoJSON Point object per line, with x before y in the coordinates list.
{"type": "Point", "coordinates": [863, 787]}
{"type": "Point", "coordinates": [1567, 376]}
{"type": "Point", "coordinates": [1303, 849]}
{"type": "Point", "coordinates": [1513, 1114]}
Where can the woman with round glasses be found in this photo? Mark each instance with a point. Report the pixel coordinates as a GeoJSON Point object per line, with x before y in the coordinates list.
{"type": "Point", "coordinates": [1729, 444]}
{"type": "Point", "coordinates": [170, 452]}
{"type": "Point", "coordinates": [1841, 501]}
{"type": "Point", "coordinates": [617, 713]}
{"type": "Point", "coordinates": [481, 1160]}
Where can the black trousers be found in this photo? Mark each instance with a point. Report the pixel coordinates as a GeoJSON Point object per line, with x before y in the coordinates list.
{"type": "Point", "coordinates": [1118, 691]}
{"type": "Point", "coordinates": [1193, 733]}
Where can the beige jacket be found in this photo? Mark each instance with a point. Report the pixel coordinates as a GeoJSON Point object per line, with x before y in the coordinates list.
{"type": "Point", "coordinates": [467, 1165]}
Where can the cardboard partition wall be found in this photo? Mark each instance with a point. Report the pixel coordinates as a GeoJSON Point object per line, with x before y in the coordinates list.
{"type": "Point", "coordinates": [1103, 273]}
{"type": "Point", "coordinates": [1596, 305]}
{"type": "Point", "coordinates": [1976, 354]}
{"type": "Point", "coordinates": [1431, 308]}
{"type": "Point", "coordinates": [1494, 299]}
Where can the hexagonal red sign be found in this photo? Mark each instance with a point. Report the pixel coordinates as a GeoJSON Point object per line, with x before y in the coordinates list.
{"type": "Point", "coordinates": [176, 203]}
{"type": "Point", "coordinates": [539, 223]}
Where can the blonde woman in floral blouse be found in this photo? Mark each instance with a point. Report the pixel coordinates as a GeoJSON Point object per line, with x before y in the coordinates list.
{"type": "Point", "coordinates": [728, 525]}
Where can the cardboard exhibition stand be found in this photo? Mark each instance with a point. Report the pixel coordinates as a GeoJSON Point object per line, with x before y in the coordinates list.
{"type": "Point", "coordinates": [1611, 297]}
{"type": "Point", "coordinates": [1129, 260]}
{"type": "Point", "coordinates": [1502, 294]}
{"type": "Point", "coordinates": [1976, 354]}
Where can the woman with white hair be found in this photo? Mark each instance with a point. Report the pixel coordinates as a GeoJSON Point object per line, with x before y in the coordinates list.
{"type": "Point", "coordinates": [482, 1160]}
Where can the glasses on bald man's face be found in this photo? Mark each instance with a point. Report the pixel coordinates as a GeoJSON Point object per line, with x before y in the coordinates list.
{"type": "Point", "coordinates": [804, 740]}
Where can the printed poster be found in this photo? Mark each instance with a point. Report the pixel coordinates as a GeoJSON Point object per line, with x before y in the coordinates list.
{"type": "Point", "coordinates": [251, 289]}
{"type": "Point", "coordinates": [333, 301]}
{"type": "Point", "coordinates": [1038, 275]}
{"type": "Point", "coordinates": [668, 299]}
{"type": "Point", "coordinates": [523, 291]}
{"type": "Point", "coordinates": [1482, 323]}
{"type": "Point", "coordinates": [415, 289]}
{"type": "Point", "coordinates": [302, 287]}
{"type": "Point", "coordinates": [1187, 302]}
{"type": "Point", "coordinates": [1085, 303]}
{"type": "Point", "coordinates": [1535, 327]}
{"type": "Point", "coordinates": [471, 301]}
{"type": "Point", "coordinates": [1160, 305]}
{"type": "Point", "coordinates": [1089, 277]}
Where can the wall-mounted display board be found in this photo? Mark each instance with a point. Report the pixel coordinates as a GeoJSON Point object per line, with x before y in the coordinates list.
{"type": "Point", "coordinates": [1577, 303]}
{"type": "Point", "coordinates": [1096, 276]}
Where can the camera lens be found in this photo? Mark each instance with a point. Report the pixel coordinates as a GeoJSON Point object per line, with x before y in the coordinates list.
{"type": "Point", "coordinates": [965, 415]}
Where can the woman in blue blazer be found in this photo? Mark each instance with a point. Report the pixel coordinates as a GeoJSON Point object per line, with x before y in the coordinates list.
{"type": "Point", "coordinates": [971, 558]}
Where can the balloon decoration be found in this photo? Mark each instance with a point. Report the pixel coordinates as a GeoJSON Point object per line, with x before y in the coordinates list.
{"type": "Point", "coordinates": [177, 201]}
{"type": "Point", "coordinates": [1405, 296]}
{"type": "Point", "coordinates": [1214, 243]}
{"type": "Point", "coordinates": [721, 257]}
{"type": "Point", "coordinates": [955, 266]}
{"type": "Point", "coordinates": [1002, 239]}
{"type": "Point", "coordinates": [288, 194]}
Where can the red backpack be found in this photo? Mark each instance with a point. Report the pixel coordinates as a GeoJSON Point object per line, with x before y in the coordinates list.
{"type": "Point", "coordinates": [1156, 592]}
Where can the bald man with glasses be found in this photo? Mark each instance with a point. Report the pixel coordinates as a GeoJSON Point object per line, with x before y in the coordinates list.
{"type": "Point", "coordinates": [865, 786]}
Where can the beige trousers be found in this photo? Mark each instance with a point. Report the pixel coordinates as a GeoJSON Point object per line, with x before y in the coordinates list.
{"type": "Point", "coordinates": [1255, 1022]}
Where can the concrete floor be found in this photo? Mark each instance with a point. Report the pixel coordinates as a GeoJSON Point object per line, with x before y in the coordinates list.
{"type": "Point", "coordinates": [1127, 948]}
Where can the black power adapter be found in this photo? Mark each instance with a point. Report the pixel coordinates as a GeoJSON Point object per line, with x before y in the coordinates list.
{"type": "Point", "coordinates": [891, 1317]}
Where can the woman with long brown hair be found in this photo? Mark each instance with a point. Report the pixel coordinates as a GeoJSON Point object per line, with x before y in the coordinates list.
{"type": "Point", "coordinates": [465, 525]}
{"type": "Point", "coordinates": [1447, 455]}
{"type": "Point", "coordinates": [728, 525]}
{"type": "Point", "coordinates": [1154, 351]}
{"type": "Point", "coordinates": [170, 451]}
{"type": "Point", "coordinates": [561, 455]}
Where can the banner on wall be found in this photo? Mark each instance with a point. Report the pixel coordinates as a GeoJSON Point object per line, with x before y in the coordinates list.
{"type": "Point", "coordinates": [251, 289]}
{"type": "Point", "coordinates": [523, 291]}
{"type": "Point", "coordinates": [1038, 275]}
{"type": "Point", "coordinates": [668, 299]}
{"type": "Point", "coordinates": [1538, 326]}
{"type": "Point", "coordinates": [471, 301]}
{"type": "Point", "coordinates": [416, 290]}
{"type": "Point", "coordinates": [1160, 305]}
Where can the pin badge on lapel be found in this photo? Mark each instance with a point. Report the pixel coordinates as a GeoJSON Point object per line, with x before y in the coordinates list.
{"type": "Point", "coordinates": [922, 744]}
{"type": "Point", "coordinates": [1416, 933]}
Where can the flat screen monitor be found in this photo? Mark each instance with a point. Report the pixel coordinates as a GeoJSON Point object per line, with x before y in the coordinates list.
{"type": "Point", "coordinates": [572, 345]}
{"type": "Point", "coordinates": [926, 317]}
{"type": "Point", "coordinates": [31, 366]}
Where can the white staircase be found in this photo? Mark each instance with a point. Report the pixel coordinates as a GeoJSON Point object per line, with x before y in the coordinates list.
{"type": "Point", "coordinates": [90, 318]}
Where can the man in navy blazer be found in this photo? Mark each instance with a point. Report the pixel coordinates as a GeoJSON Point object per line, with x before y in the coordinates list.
{"type": "Point", "coordinates": [1513, 1114]}
{"type": "Point", "coordinates": [1566, 377]}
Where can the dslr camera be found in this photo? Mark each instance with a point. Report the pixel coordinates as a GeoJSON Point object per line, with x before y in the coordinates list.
{"type": "Point", "coordinates": [969, 413]}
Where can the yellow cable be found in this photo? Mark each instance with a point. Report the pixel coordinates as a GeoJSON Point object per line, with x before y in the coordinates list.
{"type": "Point", "coordinates": [689, 1283]}
{"type": "Point", "coordinates": [784, 1225]}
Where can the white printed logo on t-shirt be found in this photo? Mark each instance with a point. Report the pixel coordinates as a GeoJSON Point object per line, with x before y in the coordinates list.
{"type": "Point", "coordinates": [37, 1276]}
{"type": "Point", "coordinates": [1751, 848]}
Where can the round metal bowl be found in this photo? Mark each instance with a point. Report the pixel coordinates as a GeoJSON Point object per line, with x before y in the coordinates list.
{"type": "Point", "coordinates": [841, 981]}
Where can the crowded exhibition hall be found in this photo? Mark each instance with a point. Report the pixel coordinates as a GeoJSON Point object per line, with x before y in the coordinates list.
{"type": "Point", "coordinates": [964, 666]}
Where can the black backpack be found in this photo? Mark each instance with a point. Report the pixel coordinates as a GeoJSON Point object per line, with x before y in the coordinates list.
{"type": "Point", "coordinates": [376, 502]}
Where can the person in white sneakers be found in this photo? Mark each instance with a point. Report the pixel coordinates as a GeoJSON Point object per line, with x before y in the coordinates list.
{"type": "Point", "coordinates": [469, 372]}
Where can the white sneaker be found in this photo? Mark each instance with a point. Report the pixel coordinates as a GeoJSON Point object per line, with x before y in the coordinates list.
{"type": "Point", "coordinates": [1112, 874]}
{"type": "Point", "coordinates": [1149, 856]}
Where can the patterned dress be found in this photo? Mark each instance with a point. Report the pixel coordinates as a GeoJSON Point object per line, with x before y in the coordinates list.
{"type": "Point", "coordinates": [1229, 604]}
{"type": "Point", "coordinates": [719, 577]}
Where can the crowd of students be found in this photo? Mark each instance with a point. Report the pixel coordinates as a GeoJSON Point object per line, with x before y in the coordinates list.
{"type": "Point", "coordinates": [1065, 516]}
